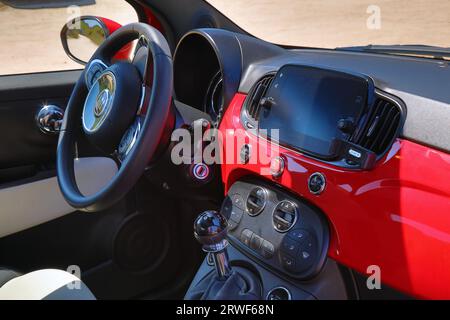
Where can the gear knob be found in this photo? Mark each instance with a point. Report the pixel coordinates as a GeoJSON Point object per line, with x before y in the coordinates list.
{"type": "Point", "coordinates": [210, 229]}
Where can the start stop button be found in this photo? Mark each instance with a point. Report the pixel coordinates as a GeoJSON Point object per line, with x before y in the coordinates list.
{"type": "Point", "coordinates": [200, 171]}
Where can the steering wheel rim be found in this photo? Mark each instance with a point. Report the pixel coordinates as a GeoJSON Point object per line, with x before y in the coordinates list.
{"type": "Point", "coordinates": [157, 101]}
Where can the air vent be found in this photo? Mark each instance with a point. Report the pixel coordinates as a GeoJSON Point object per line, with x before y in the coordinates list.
{"type": "Point", "coordinates": [284, 216]}
{"type": "Point", "coordinates": [381, 127]}
{"type": "Point", "coordinates": [256, 201]}
{"type": "Point", "coordinates": [255, 95]}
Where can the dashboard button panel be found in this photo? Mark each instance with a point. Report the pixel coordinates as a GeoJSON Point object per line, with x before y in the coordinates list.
{"type": "Point", "coordinates": [280, 230]}
{"type": "Point", "coordinates": [259, 245]}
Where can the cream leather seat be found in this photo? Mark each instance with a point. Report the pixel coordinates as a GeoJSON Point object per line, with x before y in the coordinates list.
{"type": "Point", "coordinates": [46, 284]}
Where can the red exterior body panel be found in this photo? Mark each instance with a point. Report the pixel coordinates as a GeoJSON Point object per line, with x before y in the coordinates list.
{"type": "Point", "coordinates": [396, 216]}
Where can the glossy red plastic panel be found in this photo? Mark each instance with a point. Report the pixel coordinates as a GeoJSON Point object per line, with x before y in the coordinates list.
{"type": "Point", "coordinates": [110, 24]}
{"type": "Point", "coordinates": [396, 216]}
{"type": "Point", "coordinates": [124, 52]}
{"type": "Point", "coordinates": [153, 20]}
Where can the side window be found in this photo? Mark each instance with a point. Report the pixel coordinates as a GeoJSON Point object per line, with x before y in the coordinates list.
{"type": "Point", "coordinates": [30, 31]}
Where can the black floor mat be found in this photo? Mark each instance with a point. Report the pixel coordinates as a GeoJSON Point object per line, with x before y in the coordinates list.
{"type": "Point", "coordinates": [42, 4]}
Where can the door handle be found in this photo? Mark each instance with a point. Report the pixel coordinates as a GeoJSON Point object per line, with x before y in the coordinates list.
{"type": "Point", "coordinates": [49, 119]}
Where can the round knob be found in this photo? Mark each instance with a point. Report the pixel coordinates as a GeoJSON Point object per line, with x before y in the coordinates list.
{"type": "Point", "coordinates": [210, 228]}
{"type": "Point", "coordinates": [49, 119]}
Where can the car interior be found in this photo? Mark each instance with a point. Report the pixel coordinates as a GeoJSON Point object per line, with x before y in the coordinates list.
{"type": "Point", "coordinates": [332, 167]}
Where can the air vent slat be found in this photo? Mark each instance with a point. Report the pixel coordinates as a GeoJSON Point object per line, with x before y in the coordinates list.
{"type": "Point", "coordinates": [258, 92]}
{"type": "Point", "coordinates": [381, 127]}
{"type": "Point", "coordinates": [390, 132]}
{"type": "Point", "coordinates": [380, 130]}
{"type": "Point", "coordinates": [364, 140]}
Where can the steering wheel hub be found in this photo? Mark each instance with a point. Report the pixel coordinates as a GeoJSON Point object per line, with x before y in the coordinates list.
{"type": "Point", "coordinates": [111, 105]}
{"type": "Point", "coordinates": [98, 102]}
{"type": "Point", "coordinates": [102, 103]}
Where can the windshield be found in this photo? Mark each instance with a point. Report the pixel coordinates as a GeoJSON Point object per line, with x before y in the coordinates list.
{"type": "Point", "coordinates": [342, 23]}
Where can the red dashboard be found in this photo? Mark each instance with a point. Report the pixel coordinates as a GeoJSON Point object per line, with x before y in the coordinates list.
{"type": "Point", "coordinates": [393, 216]}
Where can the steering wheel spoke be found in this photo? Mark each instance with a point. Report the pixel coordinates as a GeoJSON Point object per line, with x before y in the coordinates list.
{"type": "Point", "coordinates": [144, 101]}
{"type": "Point", "coordinates": [142, 60]}
{"type": "Point", "coordinates": [129, 139]}
{"type": "Point", "coordinates": [93, 70]}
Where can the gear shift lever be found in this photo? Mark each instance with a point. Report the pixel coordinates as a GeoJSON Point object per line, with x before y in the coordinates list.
{"type": "Point", "coordinates": [210, 229]}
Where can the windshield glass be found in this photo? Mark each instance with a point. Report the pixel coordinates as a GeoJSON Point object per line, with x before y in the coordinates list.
{"type": "Point", "coordinates": [342, 23]}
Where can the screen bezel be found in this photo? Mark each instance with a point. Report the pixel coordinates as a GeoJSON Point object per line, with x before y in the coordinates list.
{"type": "Point", "coordinates": [359, 118]}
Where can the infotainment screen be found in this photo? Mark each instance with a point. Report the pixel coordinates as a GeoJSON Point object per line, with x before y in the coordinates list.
{"type": "Point", "coordinates": [308, 103]}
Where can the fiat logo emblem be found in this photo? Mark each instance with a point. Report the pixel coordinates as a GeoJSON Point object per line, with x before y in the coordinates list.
{"type": "Point", "coordinates": [101, 103]}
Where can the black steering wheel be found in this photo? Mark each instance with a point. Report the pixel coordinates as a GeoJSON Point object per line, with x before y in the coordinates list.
{"type": "Point", "coordinates": [125, 95]}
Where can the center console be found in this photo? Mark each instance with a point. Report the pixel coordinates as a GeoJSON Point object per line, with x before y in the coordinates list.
{"type": "Point", "coordinates": [277, 248]}
{"type": "Point", "coordinates": [279, 231]}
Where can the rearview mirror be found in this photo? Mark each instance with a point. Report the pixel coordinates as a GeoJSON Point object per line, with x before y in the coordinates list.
{"type": "Point", "coordinates": [81, 36]}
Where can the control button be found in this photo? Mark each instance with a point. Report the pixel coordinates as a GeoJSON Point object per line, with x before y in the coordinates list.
{"type": "Point", "coordinates": [298, 234]}
{"type": "Point", "coordinates": [290, 246]}
{"type": "Point", "coordinates": [232, 225]}
{"type": "Point", "coordinates": [304, 260]}
{"type": "Point", "coordinates": [316, 183]}
{"type": "Point", "coordinates": [246, 236]}
{"type": "Point", "coordinates": [238, 201]}
{"type": "Point", "coordinates": [307, 244]}
{"type": "Point", "coordinates": [277, 167]}
{"type": "Point", "coordinates": [306, 255]}
{"type": "Point", "coordinates": [288, 262]}
{"type": "Point", "coordinates": [236, 215]}
{"type": "Point", "coordinates": [267, 249]}
{"type": "Point", "coordinates": [244, 154]}
{"type": "Point", "coordinates": [256, 242]}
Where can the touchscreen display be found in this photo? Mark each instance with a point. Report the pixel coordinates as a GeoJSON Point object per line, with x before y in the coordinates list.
{"type": "Point", "coordinates": [308, 104]}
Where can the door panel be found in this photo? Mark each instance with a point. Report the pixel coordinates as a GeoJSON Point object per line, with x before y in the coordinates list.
{"type": "Point", "coordinates": [30, 204]}
{"type": "Point", "coordinates": [21, 97]}
{"type": "Point", "coordinates": [140, 246]}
